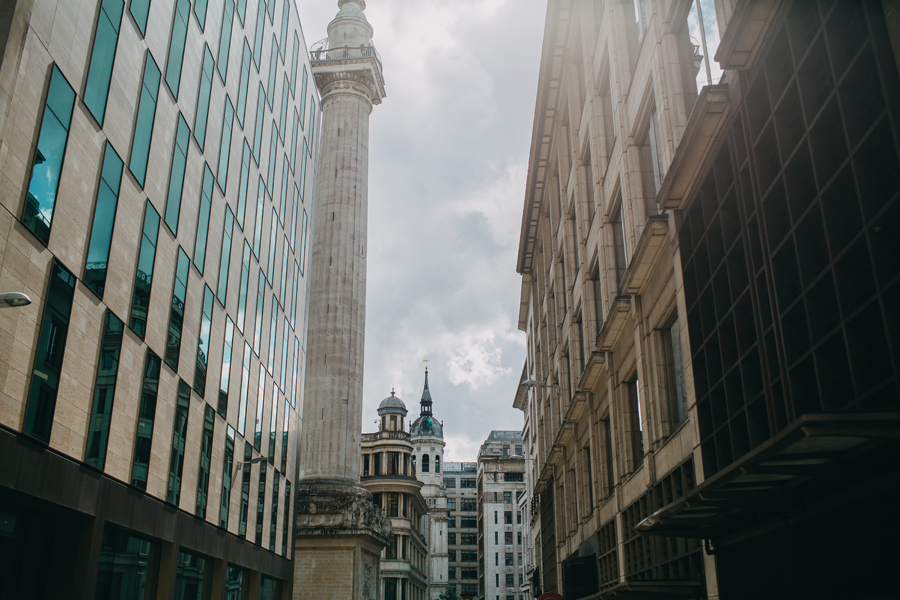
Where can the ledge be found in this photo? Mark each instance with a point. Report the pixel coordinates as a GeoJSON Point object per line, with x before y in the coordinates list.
{"type": "Point", "coordinates": [746, 31]}
{"type": "Point", "coordinates": [593, 368]}
{"type": "Point", "coordinates": [700, 136]}
{"type": "Point", "coordinates": [614, 324]}
{"type": "Point", "coordinates": [646, 255]}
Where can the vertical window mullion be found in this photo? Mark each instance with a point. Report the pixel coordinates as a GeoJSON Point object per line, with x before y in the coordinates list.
{"type": "Point", "coordinates": [225, 258]}
{"type": "Point", "coordinates": [294, 59]}
{"type": "Point", "coordinates": [96, 266]}
{"type": "Point", "coordinates": [47, 163]}
{"type": "Point", "coordinates": [295, 287]}
{"type": "Point", "coordinates": [273, 424]}
{"type": "Point", "coordinates": [243, 84]}
{"type": "Point", "coordinates": [225, 39]}
{"type": "Point", "coordinates": [273, 336]}
{"type": "Point", "coordinates": [204, 89]}
{"type": "Point", "coordinates": [257, 327]}
{"type": "Point", "coordinates": [200, 12]}
{"type": "Point", "coordinates": [146, 417]}
{"type": "Point", "coordinates": [285, 182]}
{"type": "Point", "coordinates": [225, 378]}
{"type": "Point", "coordinates": [284, 105]}
{"type": "Point", "coordinates": [284, 355]}
{"type": "Point", "coordinates": [104, 390]}
{"type": "Point", "coordinates": [203, 220]}
{"type": "Point", "coordinates": [203, 343]}
{"type": "Point", "coordinates": [225, 145]}
{"type": "Point", "coordinates": [258, 35]}
{"type": "Point", "coordinates": [258, 222]}
{"type": "Point", "coordinates": [179, 438]}
{"type": "Point", "coordinates": [140, 303]}
{"type": "Point", "coordinates": [260, 403]}
{"type": "Point", "coordinates": [227, 473]}
{"type": "Point", "coordinates": [244, 283]}
{"type": "Point", "coordinates": [261, 502]}
{"type": "Point", "coordinates": [176, 175]}
{"type": "Point", "coordinates": [176, 313]}
{"type": "Point", "coordinates": [273, 244]}
{"type": "Point", "coordinates": [209, 423]}
{"type": "Point", "coordinates": [285, 19]}
{"type": "Point", "coordinates": [175, 59]}
{"type": "Point", "coordinates": [302, 250]}
{"type": "Point", "coordinates": [245, 389]}
{"type": "Point", "coordinates": [260, 113]}
{"type": "Point", "coordinates": [293, 393]}
{"type": "Point", "coordinates": [284, 271]}
{"type": "Point", "coordinates": [273, 147]}
{"type": "Point", "coordinates": [273, 61]}
{"type": "Point", "coordinates": [140, 10]}
{"type": "Point", "coordinates": [146, 116]}
{"type": "Point", "coordinates": [103, 56]}
{"type": "Point", "coordinates": [243, 185]}
{"type": "Point", "coordinates": [273, 527]}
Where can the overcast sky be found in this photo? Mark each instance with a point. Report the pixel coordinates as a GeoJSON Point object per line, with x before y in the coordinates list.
{"type": "Point", "coordinates": [447, 163]}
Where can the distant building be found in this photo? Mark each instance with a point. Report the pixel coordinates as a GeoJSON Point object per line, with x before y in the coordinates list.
{"type": "Point", "coordinates": [710, 291]}
{"type": "Point", "coordinates": [501, 544]}
{"type": "Point", "coordinates": [388, 473]}
{"type": "Point", "coordinates": [427, 436]}
{"type": "Point", "coordinates": [461, 483]}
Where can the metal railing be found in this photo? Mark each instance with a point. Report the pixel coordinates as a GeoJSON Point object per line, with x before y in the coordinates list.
{"type": "Point", "coordinates": [320, 52]}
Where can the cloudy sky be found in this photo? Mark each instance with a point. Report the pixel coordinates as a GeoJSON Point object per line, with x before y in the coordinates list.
{"type": "Point", "coordinates": [447, 166]}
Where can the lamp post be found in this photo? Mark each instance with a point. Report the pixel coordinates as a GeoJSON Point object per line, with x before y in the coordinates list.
{"type": "Point", "coordinates": [238, 465]}
{"type": "Point", "coordinates": [14, 299]}
{"type": "Point", "coordinates": [534, 383]}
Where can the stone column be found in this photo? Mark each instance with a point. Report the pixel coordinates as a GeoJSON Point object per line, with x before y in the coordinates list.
{"type": "Point", "coordinates": [339, 533]}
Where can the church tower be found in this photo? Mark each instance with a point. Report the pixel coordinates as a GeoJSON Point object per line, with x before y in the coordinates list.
{"type": "Point", "coordinates": [427, 436]}
{"type": "Point", "coordinates": [339, 533]}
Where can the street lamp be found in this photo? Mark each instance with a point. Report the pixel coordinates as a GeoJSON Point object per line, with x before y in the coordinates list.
{"type": "Point", "coordinates": [13, 299]}
{"type": "Point", "coordinates": [534, 383]}
{"type": "Point", "coordinates": [239, 465]}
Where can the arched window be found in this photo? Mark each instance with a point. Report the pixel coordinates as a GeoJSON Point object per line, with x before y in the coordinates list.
{"type": "Point", "coordinates": [424, 463]}
{"type": "Point", "coordinates": [437, 463]}
{"type": "Point", "coordinates": [413, 464]}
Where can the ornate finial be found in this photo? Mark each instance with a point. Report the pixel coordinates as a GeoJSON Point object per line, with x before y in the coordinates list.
{"type": "Point", "coordinates": [425, 360]}
{"type": "Point", "coordinates": [392, 391]}
{"type": "Point", "coordinates": [362, 3]}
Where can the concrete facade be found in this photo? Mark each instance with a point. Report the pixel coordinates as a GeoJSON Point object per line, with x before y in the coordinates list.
{"type": "Point", "coordinates": [162, 420]}
{"type": "Point", "coordinates": [704, 177]}
{"type": "Point", "coordinates": [461, 482]}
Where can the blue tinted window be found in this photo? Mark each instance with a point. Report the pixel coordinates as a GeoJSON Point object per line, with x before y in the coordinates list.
{"type": "Point", "coordinates": [146, 115]}
{"type": "Point", "coordinates": [284, 272]}
{"type": "Point", "coordinates": [176, 313]}
{"type": "Point", "coordinates": [294, 58]}
{"type": "Point", "coordinates": [140, 9]}
{"type": "Point", "coordinates": [284, 354]}
{"type": "Point", "coordinates": [287, 491]}
{"type": "Point", "coordinates": [312, 126]}
{"type": "Point", "coordinates": [294, 287]}
{"type": "Point", "coordinates": [227, 467]}
{"type": "Point", "coordinates": [48, 358]}
{"type": "Point", "coordinates": [273, 427]}
{"type": "Point", "coordinates": [294, 133]}
{"type": "Point", "coordinates": [242, 10]}
{"type": "Point", "coordinates": [243, 184]}
{"type": "Point", "coordinates": [48, 157]}
{"type": "Point", "coordinates": [260, 112]}
{"type": "Point", "coordinates": [260, 402]}
{"type": "Point", "coordinates": [225, 377]}
{"type": "Point", "coordinates": [303, 84]}
{"type": "Point", "coordinates": [203, 220]}
{"type": "Point", "coordinates": [242, 294]}
{"type": "Point", "coordinates": [271, 10]}
{"type": "Point", "coordinates": [273, 146]}
{"type": "Point", "coordinates": [303, 243]}
{"type": "Point", "coordinates": [104, 218]}
{"type": "Point", "coordinates": [258, 36]}
{"type": "Point", "coordinates": [273, 333]}
{"type": "Point", "coordinates": [245, 389]}
{"type": "Point", "coordinates": [103, 55]}
{"type": "Point", "coordinates": [294, 210]}
{"type": "Point", "coordinates": [285, 181]}
{"type": "Point", "coordinates": [203, 342]}
{"type": "Point", "coordinates": [225, 39]}
{"type": "Point", "coordinates": [273, 242]}
{"type": "Point", "coordinates": [205, 87]}
{"type": "Point", "coordinates": [143, 442]}
{"type": "Point", "coordinates": [209, 422]}
{"type": "Point", "coordinates": [176, 45]}
{"type": "Point", "coordinates": [200, 12]}
{"type": "Point", "coordinates": [225, 145]}
{"type": "Point", "coordinates": [243, 83]}
{"type": "Point", "coordinates": [284, 105]}
{"type": "Point", "coordinates": [143, 281]}
{"type": "Point", "coordinates": [269, 584]}
{"type": "Point", "coordinates": [245, 491]}
{"type": "Point", "coordinates": [104, 390]}
{"type": "Point", "coordinates": [179, 441]}
{"type": "Point", "coordinates": [285, 19]}
{"type": "Point", "coordinates": [273, 57]}
{"type": "Point", "coordinates": [258, 223]}
{"type": "Point", "coordinates": [176, 175]}
{"type": "Point", "coordinates": [294, 375]}
{"type": "Point", "coordinates": [260, 301]}
{"type": "Point", "coordinates": [225, 259]}
{"type": "Point", "coordinates": [301, 178]}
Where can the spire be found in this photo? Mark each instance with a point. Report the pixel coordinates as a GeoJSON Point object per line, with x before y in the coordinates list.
{"type": "Point", "coordinates": [426, 397]}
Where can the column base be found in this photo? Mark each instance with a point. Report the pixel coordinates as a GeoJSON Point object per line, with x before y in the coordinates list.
{"type": "Point", "coordinates": [339, 535]}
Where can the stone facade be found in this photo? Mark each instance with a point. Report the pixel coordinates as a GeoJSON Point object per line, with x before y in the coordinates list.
{"type": "Point", "coordinates": [704, 178]}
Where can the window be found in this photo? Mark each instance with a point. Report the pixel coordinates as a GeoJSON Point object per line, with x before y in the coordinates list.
{"type": "Point", "coordinates": [103, 55]}
{"type": "Point", "coordinates": [273, 521]}
{"type": "Point", "coordinates": [670, 336]}
{"type": "Point", "coordinates": [225, 146]}
{"type": "Point", "coordinates": [146, 417]}
{"type": "Point", "coordinates": [425, 459]}
{"type": "Point", "coordinates": [467, 483]}
{"type": "Point", "coordinates": [245, 389]}
{"type": "Point", "coordinates": [284, 105]}
{"type": "Point", "coordinates": [287, 510]}
{"type": "Point", "coordinates": [48, 158]}
{"type": "Point", "coordinates": [509, 559]}
{"type": "Point", "coordinates": [176, 175]}
{"type": "Point", "coordinates": [104, 219]}
{"type": "Point", "coordinates": [652, 169]}
{"type": "Point", "coordinates": [176, 313]}
{"type": "Point", "coordinates": [285, 182]}
{"type": "Point", "coordinates": [203, 219]}
{"type": "Point", "coordinates": [634, 407]}
{"type": "Point", "coordinates": [451, 503]}
{"type": "Point", "coordinates": [257, 329]}
{"type": "Point", "coordinates": [273, 146]}
{"type": "Point", "coordinates": [449, 482]}
{"type": "Point", "coordinates": [261, 502]}
{"type": "Point", "coordinates": [508, 538]}
{"type": "Point", "coordinates": [507, 497]}
{"type": "Point", "coordinates": [468, 539]}
{"type": "Point", "coordinates": [496, 513]}
{"type": "Point", "coordinates": [312, 127]}
{"type": "Point", "coordinates": [273, 59]}
{"type": "Point", "coordinates": [273, 423]}
{"type": "Point", "coordinates": [301, 179]}
{"type": "Point", "coordinates": [225, 257]}
{"type": "Point", "coordinates": [209, 422]}
{"type": "Point", "coordinates": [618, 232]}
{"type": "Point", "coordinates": [203, 343]}
{"type": "Point", "coordinates": [126, 557]}
{"type": "Point", "coordinates": [146, 115]}
{"type": "Point", "coordinates": [193, 575]}
{"type": "Point", "coordinates": [242, 293]}
{"type": "Point", "coordinates": [243, 84]}
{"type": "Point", "coordinates": [273, 334]}
{"type": "Point", "coordinates": [227, 468]}
{"type": "Point", "coordinates": [260, 403]}
{"type": "Point", "coordinates": [260, 113]}
{"type": "Point", "coordinates": [104, 390]}
{"type": "Point", "coordinates": [284, 354]}
{"type": "Point", "coordinates": [242, 10]}
{"type": "Point", "coordinates": [608, 134]}
{"type": "Point", "coordinates": [303, 242]}
{"type": "Point", "coordinates": [703, 28]}
{"type": "Point", "coordinates": [451, 538]}
{"type": "Point", "coordinates": [258, 37]}
{"type": "Point", "coordinates": [303, 84]}
{"type": "Point", "coordinates": [139, 9]}
{"type": "Point", "coordinates": [243, 184]}
{"type": "Point", "coordinates": [468, 523]}
{"type": "Point", "coordinates": [519, 450]}
{"type": "Point", "coordinates": [468, 556]}
{"type": "Point", "coordinates": [225, 377]}
{"type": "Point", "coordinates": [294, 57]}
{"type": "Point", "coordinates": [273, 245]}
{"type": "Point", "coordinates": [204, 88]}
{"type": "Point", "coordinates": [225, 40]}
{"type": "Point", "coordinates": [437, 463]}
{"type": "Point", "coordinates": [176, 45]}
{"type": "Point", "coordinates": [285, 17]}
{"type": "Point", "coordinates": [246, 471]}
{"type": "Point", "coordinates": [140, 302]}
{"type": "Point", "coordinates": [510, 580]}
{"type": "Point", "coordinates": [295, 291]}
{"type": "Point", "coordinates": [507, 517]}
{"type": "Point", "coordinates": [514, 477]}
{"type": "Point", "coordinates": [294, 371]}
{"type": "Point", "coordinates": [258, 221]}
{"type": "Point", "coordinates": [200, 12]}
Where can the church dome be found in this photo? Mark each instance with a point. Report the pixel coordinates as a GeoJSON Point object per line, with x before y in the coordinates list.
{"type": "Point", "coordinates": [426, 424]}
{"type": "Point", "coordinates": [392, 405]}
